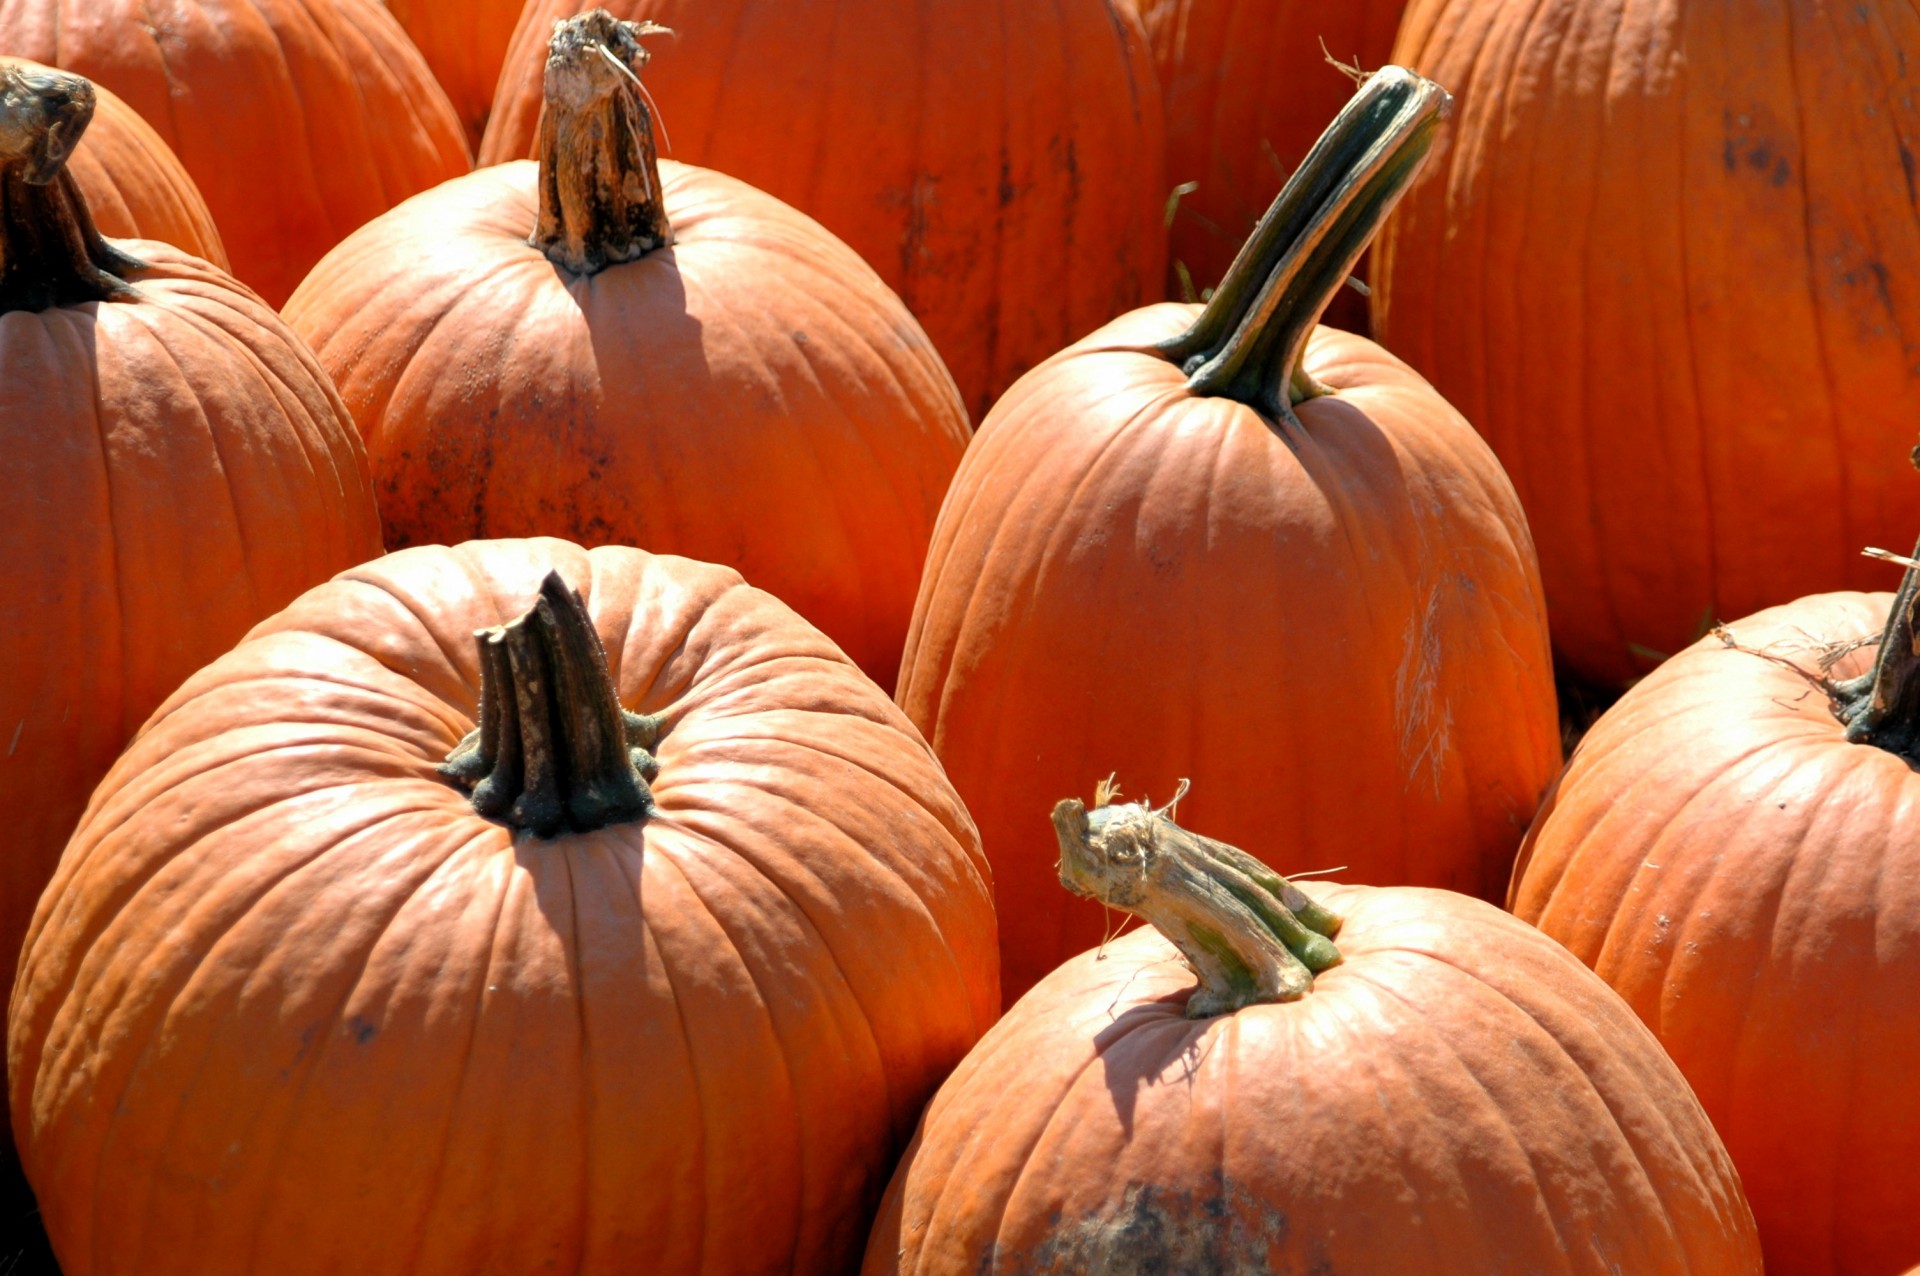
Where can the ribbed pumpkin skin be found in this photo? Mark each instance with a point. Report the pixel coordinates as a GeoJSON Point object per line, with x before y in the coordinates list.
{"type": "Point", "coordinates": [998, 164]}
{"type": "Point", "coordinates": [178, 468]}
{"type": "Point", "coordinates": [464, 41]}
{"type": "Point", "coordinates": [753, 396]}
{"type": "Point", "coordinates": [1750, 882]}
{"type": "Point", "coordinates": [1669, 266]}
{"type": "Point", "coordinates": [1335, 627]}
{"type": "Point", "coordinates": [293, 1007]}
{"type": "Point", "coordinates": [299, 119]}
{"type": "Point", "coordinates": [134, 186]}
{"type": "Point", "coordinates": [1457, 1096]}
{"type": "Point", "coordinates": [1248, 90]}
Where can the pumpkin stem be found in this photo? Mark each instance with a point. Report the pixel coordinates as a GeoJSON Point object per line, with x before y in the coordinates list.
{"type": "Point", "coordinates": [600, 199]}
{"type": "Point", "coordinates": [1250, 337]}
{"type": "Point", "coordinates": [1882, 706]}
{"type": "Point", "coordinates": [50, 253]}
{"type": "Point", "coordinates": [555, 752]}
{"type": "Point", "coordinates": [1249, 933]}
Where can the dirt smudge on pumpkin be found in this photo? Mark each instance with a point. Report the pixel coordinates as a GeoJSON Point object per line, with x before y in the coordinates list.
{"type": "Point", "coordinates": [1217, 1229]}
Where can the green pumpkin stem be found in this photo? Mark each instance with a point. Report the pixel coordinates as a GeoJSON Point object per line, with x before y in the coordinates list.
{"type": "Point", "coordinates": [50, 253]}
{"type": "Point", "coordinates": [600, 197]}
{"type": "Point", "coordinates": [1250, 338]}
{"type": "Point", "coordinates": [1249, 934]}
{"type": "Point", "coordinates": [1882, 706]}
{"type": "Point", "coordinates": [554, 752]}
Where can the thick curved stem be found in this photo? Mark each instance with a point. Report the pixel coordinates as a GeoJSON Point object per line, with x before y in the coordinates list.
{"type": "Point", "coordinates": [1249, 934]}
{"type": "Point", "coordinates": [600, 197]}
{"type": "Point", "coordinates": [50, 253]}
{"type": "Point", "coordinates": [1882, 707]}
{"type": "Point", "coordinates": [1249, 340]}
{"type": "Point", "coordinates": [554, 752]}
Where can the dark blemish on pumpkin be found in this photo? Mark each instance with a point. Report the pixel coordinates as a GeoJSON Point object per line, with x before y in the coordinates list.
{"type": "Point", "coordinates": [799, 338]}
{"type": "Point", "coordinates": [1219, 1229]}
{"type": "Point", "coordinates": [362, 1030]}
{"type": "Point", "coordinates": [913, 246]}
{"type": "Point", "coordinates": [1906, 166]}
{"type": "Point", "coordinates": [1007, 191]}
{"type": "Point", "coordinates": [1880, 284]}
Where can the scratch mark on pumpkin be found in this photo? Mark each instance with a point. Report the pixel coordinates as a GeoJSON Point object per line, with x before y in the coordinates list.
{"type": "Point", "coordinates": [17, 729]}
{"type": "Point", "coordinates": [1426, 719]}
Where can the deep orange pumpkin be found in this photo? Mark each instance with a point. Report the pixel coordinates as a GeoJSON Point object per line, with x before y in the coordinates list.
{"type": "Point", "coordinates": [998, 164]}
{"type": "Point", "coordinates": [1743, 866]}
{"type": "Point", "coordinates": [299, 119]}
{"type": "Point", "coordinates": [1451, 1093]}
{"type": "Point", "coordinates": [293, 1005]}
{"type": "Point", "coordinates": [1247, 85]}
{"type": "Point", "coordinates": [1221, 543]}
{"type": "Point", "coordinates": [1670, 268]}
{"type": "Point", "coordinates": [680, 363]}
{"type": "Point", "coordinates": [176, 467]}
{"type": "Point", "coordinates": [465, 42]}
{"type": "Point", "coordinates": [133, 185]}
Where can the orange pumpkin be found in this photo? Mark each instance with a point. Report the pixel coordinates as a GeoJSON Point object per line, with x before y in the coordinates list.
{"type": "Point", "coordinates": [998, 164]}
{"type": "Point", "coordinates": [678, 362]}
{"type": "Point", "coordinates": [299, 119]}
{"type": "Point", "coordinates": [1220, 542]}
{"type": "Point", "coordinates": [132, 184]}
{"type": "Point", "coordinates": [177, 467]}
{"type": "Point", "coordinates": [295, 1004]}
{"type": "Point", "coordinates": [1735, 847]}
{"type": "Point", "coordinates": [1418, 1085]}
{"type": "Point", "coordinates": [465, 42]}
{"type": "Point", "coordinates": [1247, 85]}
{"type": "Point", "coordinates": [1670, 268]}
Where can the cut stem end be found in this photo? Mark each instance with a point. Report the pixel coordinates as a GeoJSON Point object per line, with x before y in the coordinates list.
{"type": "Point", "coordinates": [1249, 934]}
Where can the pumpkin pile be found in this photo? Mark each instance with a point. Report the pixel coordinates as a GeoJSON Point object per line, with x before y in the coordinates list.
{"type": "Point", "coordinates": [583, 585]}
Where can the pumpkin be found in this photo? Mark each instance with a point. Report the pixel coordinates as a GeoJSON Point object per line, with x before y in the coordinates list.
{"type": "Point", "coordinates": [1223, 542]}
{"type": "Point", "coordinates": [1370, 1080]}
{"type": "Point", "coordinates": [1735, 848]}
{"type": "Point", "coordinates": [1247, 84]}
{"type": "Point", "coordinates": [299, 119]}
{"type": "Point", "coordinates": [998, 164]}
{"type": "Point", "coordinates": [132, 184]}
{"type": "Point", "coordinates": [652, 971]}
{"type": "Point", "coordinates": [1670, 268]}
{"type": "Point", "coordinates": [676, 361]}
{"type": "Point", "coordinates": [176, 468]}
{"type": "Point", "coordinates": [464, 42]}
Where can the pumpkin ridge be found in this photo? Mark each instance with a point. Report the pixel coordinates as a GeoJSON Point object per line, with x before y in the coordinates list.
{"type": "Point", "coordinates": [327, 1029]}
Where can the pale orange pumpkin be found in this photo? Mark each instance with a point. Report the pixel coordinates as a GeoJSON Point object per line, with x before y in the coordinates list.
{"type": "Point", "coordinates": [675, 361]}
{"type": "Point", "coordinates": [652, 971]}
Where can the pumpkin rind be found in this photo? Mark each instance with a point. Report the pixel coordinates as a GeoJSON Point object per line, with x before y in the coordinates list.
{"type": "Point", "coordinates": [752, 395]}
{"type": "Point", "coordinates": [1327, 613]}
{"type": "Point", "coordinates": [1455, 1095]}
{"type": "Point", "coordinates": [1669, 266]}
{"type": "Point", "coordinates": [1749, 881]}
{"type": "Point", "coordinates": [383, 1034]}
{"type": "Point", "coordinates": [999, 165]}
{"type": "Point", "coordinates": [176, 466]}
{"type": "Point", "coordinates": [299, 119]}
{"type": "Point", "coordinates": [465, 43]}
{"type": "Point", "coordinates": [134, 185]}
